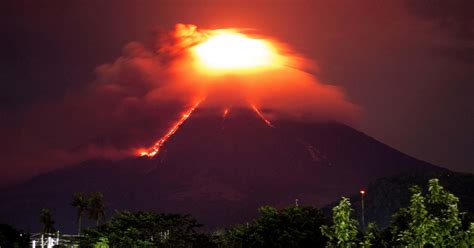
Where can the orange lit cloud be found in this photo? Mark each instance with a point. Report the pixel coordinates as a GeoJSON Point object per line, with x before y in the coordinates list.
{"type": "Point", "coordinates": [227, 66]}
{"type": "Point", "coordinates": [230, 67]}
{"type": "Point", "coordinates": [138, 99]}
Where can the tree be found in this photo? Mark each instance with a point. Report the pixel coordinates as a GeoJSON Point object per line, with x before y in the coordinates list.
{"type": "Point", "coordinates": [400, 221]}
{"type": "Point", "coordinates": [146, 229]}
{"type": "Point", "coordinates": [343, 232]}
{"type": "Point", "coordinates": [102, 243]}
{"type": "Point", "coordinates": [433, 220]}
{"type": "Point", "coordinates": [96, 207]}
{"type": "Point", "coordinates": [10, 237]}
{"type": "Point", "coordinates": [288, 227]}
{"type": "Point", "coordinates": [79, 201]}
{"type": "Point", "coordinates": [371, 237]}
{"type": "Point", "coordinates": [46, 219]}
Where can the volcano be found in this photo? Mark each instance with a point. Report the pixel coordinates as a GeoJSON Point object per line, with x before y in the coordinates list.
{"type": "Point", "coordinates": [219, 166]}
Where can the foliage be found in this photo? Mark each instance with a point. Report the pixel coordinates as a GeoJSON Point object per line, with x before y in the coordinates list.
{"type": "Point", "coordinates": [371, 236]}
{"type": "Point", "coordinates": [46, 219]}
{"type": "Point", "coordinates": [96, 207]}
{"type": "Point", "coordinates": [343, 232]}
{"type": "Point", "coordinates": [10, 237]}
{"type": "Point", "coordinates": [400, 221]}
{"type": "Point", "coordinates": [102, 243]}
{"type": "Point", "coordinates": [289, 227]}
{"type": "Point", "coordinates": [387, 195]}
{"type": "Point", "coordinates": [432, 220]}
{"type": "Point", "coordinates": [145, 229]}
{"type": "Point", "coordinates": [79, 201]}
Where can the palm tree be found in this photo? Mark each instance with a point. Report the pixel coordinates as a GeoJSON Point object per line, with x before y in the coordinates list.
{"type": "Point", "coordinates": [79, 201]}
{"type": "Point", "coordinates": [96, 206]}
{"type": "Point", "coordinates": [47, 220]}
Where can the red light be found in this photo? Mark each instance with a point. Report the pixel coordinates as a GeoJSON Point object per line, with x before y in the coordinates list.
{"type": "Point", "coordinates": [362, 192]}
{"type": "Point", "coordinates": [261, 115]}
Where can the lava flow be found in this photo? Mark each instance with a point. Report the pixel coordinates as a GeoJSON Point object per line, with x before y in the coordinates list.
{"type": "Point", "coordinates": [232, 67]}
{"type": "Point", "coordinates": [259, 113]}
{"type": "Point", "coordinates": [155, 149]}
{"type": "Point", "coordinates": [226, 112]}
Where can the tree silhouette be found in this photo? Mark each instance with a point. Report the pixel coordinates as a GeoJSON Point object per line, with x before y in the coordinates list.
{"type": "Point", "coordinates": [431, 220]}
{"type": "Point", "coordinates": [434, 220]}
{"type": "Point", "coordinates": [46, 219]}
{"type": "Point", "coordinates": [79, 201]}
{"type": "Point", "coordinates": [343, 233]}
{"type": "Point", "coordinates": [295, 226]}
{"type": "Point", "coordinates": [96, 207]}
{"type": "Point", "coordinates": [146, 229]}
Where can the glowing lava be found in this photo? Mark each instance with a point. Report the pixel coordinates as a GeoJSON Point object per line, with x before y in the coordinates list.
{"type": "Point", "coordinates": [155, 149]}
{"type": "Point", "coordinates": [230, 50]}
{"type": "Point", "coordinates": [259, 113]}
{"type": "Point", "coordinates": [226, 112]}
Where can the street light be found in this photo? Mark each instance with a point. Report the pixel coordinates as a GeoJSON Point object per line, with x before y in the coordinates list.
{"type": "Point", "coordinates": [362, 193]}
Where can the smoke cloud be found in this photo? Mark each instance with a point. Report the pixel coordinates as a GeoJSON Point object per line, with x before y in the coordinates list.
{"type": "Point", "coordinates": [134, 99]}
{"type": "Point", "coordinates": [287, 90]}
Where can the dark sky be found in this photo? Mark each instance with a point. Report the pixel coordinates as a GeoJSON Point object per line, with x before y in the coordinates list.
{"type": "Point", "coordinates": [408, 64]}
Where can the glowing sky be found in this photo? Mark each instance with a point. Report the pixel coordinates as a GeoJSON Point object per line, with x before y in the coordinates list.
{"type": "Point", "coordinates": [407, 64]}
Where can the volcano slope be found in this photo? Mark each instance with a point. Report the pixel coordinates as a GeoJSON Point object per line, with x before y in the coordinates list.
{"type": "Point", "coordinates": [220, 170]}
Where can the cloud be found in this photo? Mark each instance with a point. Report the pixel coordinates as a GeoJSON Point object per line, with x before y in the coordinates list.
{"type": "Point", "coordinates": [448, 17]}
{"type": "Point", "coordinates": [134, 99]}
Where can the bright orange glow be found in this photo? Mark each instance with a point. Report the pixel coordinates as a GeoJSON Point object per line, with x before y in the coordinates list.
{"type": "Point", "coordinates": [232, 67]}
{"type": "Point", "coordinates": [230, 50]}
{"type": "Point", "coordinates": [155, 149]}
{"type": "Point", "coordinates": [259, 113]}
{"type": "Point", "coordinates": [226, 111]}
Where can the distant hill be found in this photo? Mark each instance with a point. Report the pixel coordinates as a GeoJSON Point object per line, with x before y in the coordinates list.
{"type": "Point", "coordinates": [386, 195]}
{"type": "Point", "coordinates": [220, 169]}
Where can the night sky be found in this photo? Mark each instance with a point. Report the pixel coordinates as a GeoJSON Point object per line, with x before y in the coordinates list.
{"type": "Point", "coordinates": [407, 64]}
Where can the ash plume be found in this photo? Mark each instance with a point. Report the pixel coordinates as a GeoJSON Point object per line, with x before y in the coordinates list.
{"type": "Point", "coordinates": [136, 98]}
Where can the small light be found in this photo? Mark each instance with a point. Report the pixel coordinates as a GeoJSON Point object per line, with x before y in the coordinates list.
{"type": "Point", "coordinates": [362, 192]}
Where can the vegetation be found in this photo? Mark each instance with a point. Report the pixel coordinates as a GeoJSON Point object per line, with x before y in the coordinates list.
{"type": "Point", "coordinates": [343, 233]}
{"type": "Point", "coordinates": [96, 207]}
{"type": "Point", "coordinates": [10, 237]}
{"type": "Point", "coordinates": [288, 227]}
{"type": "Point", "coordinates": [102, 243]}
{"type": "Point", "coordinates": [46, 219]}
{"type": "Point", "coordinates": [93, 203]}
{"type": "Point", "coordinates": [431, 220]}
{"type": "Point", "coordinates": [387, 195]}
{"type": "Point", "coordinates": [79, 201]}
{"type": "Point", "coordinates": [145, 229]}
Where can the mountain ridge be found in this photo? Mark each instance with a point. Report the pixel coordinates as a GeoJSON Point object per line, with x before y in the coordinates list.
{"type": "Point", "coordinates": [385, 196]}
{"type": "Point", "coordinates": [220, 170]}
